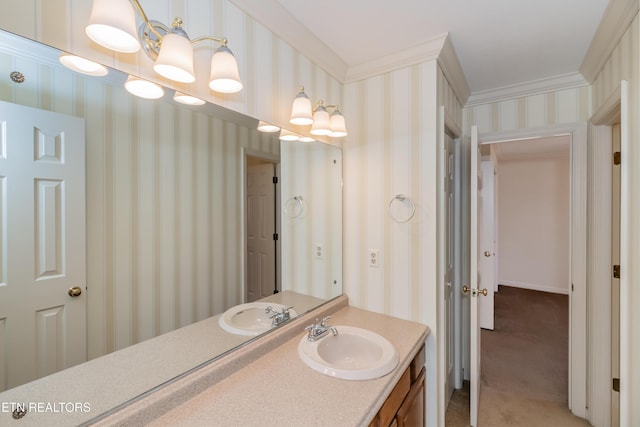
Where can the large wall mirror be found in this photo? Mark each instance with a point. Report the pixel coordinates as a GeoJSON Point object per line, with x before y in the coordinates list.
{"type": "Point", "coordinates": [174, 216]}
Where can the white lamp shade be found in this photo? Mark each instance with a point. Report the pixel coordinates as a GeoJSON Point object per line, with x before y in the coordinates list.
{"type": "Point", "coordinates": [267, 127]}
{"type": "Point", "coordinates": [225, 77]}
{"type": "Point", "coordinates": [113, 25]}
{"type": "Point", "coordinates": [183, 98]}
{"type": "Point", "coordinates": [143, 88]}
{"type": "Point", "coordinates": [175, 60]}
{"type": "Point", "coordinates": [81, 65]}
{"type": "Point", "coordinates": [321, 122]}
{"type": "Point", "coordinates": [286, 135]}
{"type": "Point", "coordinates": [338, 125]}
{"type": "Point", "coordinates": [301, 110]}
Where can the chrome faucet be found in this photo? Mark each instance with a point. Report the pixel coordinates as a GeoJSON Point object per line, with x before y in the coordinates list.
{"type": "Point", "coordinates": [318, 330]}
{"type": "Point", "coordinates": [278, 318]}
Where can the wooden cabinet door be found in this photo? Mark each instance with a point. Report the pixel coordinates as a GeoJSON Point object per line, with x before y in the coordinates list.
{"type": "Point", "coordinates": [412, 411]}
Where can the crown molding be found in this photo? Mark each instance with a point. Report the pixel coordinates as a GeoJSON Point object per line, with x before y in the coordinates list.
{"type": "Point", "coordinates": [272, 15]}
{"type": "Point", "coordinates": [422, 52]}
{"type": "Point", "coordinates": [617, 18]}
{"type": "Point", "coordinates": [453, 72]}
{"type": "Point", "coordinates": [535, 87]}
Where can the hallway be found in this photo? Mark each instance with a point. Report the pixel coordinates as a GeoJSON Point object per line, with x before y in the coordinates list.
{"type": "Point", "coordinates": [524, 364]}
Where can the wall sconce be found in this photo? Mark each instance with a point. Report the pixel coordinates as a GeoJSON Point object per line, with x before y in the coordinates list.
{"type": "Point", "coordinates": [321, 122]}
{"type": "Point", "coordinates": [113, 25]}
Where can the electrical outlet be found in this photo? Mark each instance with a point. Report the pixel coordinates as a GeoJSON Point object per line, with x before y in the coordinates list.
{"type": "Point", "coordinates": [318, 251]}
{"type": "Point", "coordinates": [374, 258]}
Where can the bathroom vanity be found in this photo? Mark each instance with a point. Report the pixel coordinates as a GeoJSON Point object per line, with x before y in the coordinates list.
{"type": "Point", "coordinates": [266, 381]}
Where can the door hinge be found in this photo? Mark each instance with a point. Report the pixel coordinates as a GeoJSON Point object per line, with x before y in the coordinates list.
{"type": "Point", "coordinates": [616, 271]}
{"type": "Point", "coordinates": [275, 179]}
{"type": "Point", "coordinates": [616, 384]}
{"type": "Point", "coordinates": [617, 158]}
{"type": "Point", "coordinates": [275, 236]}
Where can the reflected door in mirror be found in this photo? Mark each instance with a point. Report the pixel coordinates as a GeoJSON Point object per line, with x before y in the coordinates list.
{"type": "Point", "coordinates": [42, 215]}
{"type": "Point", "coordinates": [261, 229]}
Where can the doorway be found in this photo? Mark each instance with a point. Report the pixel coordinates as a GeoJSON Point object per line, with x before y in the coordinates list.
{"type": "Point", "coordinates": [261, 228]}
{"type": "Point", "coordinates": [577, 133]}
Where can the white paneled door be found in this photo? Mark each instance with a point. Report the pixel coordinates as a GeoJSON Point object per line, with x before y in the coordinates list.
{"type": "Point", "coordinates": [473, 292]}
{"type": "Point", "coordinates": [486, 260]}
{"type": "Point", "coordinates": [42, 243]}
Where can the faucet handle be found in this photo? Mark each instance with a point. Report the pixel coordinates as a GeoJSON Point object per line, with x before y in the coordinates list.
{"type": "Point", "coordinates": [323, 322]}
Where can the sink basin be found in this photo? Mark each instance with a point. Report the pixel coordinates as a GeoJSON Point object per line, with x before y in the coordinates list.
{"type": "Point", "coordinates": [353, 354]}
{"type": "Point", "coordinates": [250, 318]}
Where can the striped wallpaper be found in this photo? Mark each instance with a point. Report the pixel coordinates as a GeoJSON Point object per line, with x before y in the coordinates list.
{"type": "Point", "coordinates": [311, 228]}
{"type": "Point", "coordinates": [533, 111]}
{"type": "Point", "coordinates": [624, 64]}
{"type": "Point", "coordinates": [394, 149]}
{"type": "Point", "coordinates": [270, 68]}
{"type": "Point", "coordinates": [132, 180]}
{"type": "Point", "coordinates": [164, 208]}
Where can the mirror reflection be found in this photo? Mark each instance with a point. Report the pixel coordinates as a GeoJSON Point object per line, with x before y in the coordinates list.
{"type": "Point", "coordinates": [142, 217]}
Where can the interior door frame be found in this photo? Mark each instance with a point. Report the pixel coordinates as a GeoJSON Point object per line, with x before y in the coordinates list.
{"type": "Point", "coordinates": [578, 244]}
{"type": "Point", "coordinates": [275, 159]}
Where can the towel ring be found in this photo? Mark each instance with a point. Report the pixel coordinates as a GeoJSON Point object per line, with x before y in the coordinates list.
{"type": "Point", "coordinates": [402, 198]}
{"type": "Point", "coordinates": [293, 207]}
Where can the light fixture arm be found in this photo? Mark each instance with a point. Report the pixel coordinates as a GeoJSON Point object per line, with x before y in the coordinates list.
{"type": "Point", "coordinates": [222, 40]}
{"type": "Point", "coordinates": [146, 20]}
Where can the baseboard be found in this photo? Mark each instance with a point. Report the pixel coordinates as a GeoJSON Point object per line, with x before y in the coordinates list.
{"type": "Point", "coordinates": [533, 287]}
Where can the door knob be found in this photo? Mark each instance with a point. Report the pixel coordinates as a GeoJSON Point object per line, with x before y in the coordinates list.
{"type": "Point", "coordinates": [76, 291]}
{"type": "Point", "coordinates": [474, 292]}
{"type": "Point", "coordinates": [487, 254]}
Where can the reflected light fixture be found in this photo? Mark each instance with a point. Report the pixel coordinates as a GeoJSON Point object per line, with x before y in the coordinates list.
{"type": "Point", "coordinates": [322, 123]}
{"type": "Point", "coordinates": [286, 135]}
{"type": "Point", "coordinates": [267, 127]}
{"type": "Point", "coordinates": [183, 98]}
{"type": "Point", "coordinates": [83, 66]}
{"type": "Point", "coordinates": [113, 25]}
{"type": "Point", "coordinates": [143, 88]}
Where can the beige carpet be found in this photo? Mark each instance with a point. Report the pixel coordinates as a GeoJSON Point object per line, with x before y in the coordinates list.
{"type": "Point", "coordinates": [524, 365]}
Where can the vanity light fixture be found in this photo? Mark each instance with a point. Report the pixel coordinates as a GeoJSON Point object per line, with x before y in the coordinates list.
{"type": "Point", "coordinates": [143, 88]}
{"type": "Point", "coordinates": [83, 66]}
{"type": "Point", "coordinates": [322, 123]}
{"type": "Point", "coordinates": [185, 99]}
{"type": "Point", "coordinates": [267, 127]}
{"type": "Point", "coordinates": [113, 25]}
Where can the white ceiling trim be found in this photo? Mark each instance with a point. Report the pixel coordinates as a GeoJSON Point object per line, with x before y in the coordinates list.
{"type": "Point", "coordinates": [617, 18]}
{"type": "Point", "coordinates": [426, 51]}
{"type": "Point", "coordinates": [536, 87]}
{"type": "Point", "coordinates": [279, 21]}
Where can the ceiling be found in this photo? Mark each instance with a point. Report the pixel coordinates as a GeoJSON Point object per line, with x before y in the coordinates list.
{"type": "Point", "coordinates": [534, 148]}
{"type": "Point", "coordinates": [498, 42]}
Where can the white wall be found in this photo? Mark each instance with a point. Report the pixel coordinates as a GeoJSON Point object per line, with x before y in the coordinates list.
{"type": "Point", "coordinates": [533, 231]}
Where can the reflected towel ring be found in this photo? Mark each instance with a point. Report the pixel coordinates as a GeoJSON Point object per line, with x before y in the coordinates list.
{"type": "Point", "coordinates": [402, 198]}
{"type": "Point", "coordinates": [293, 207]}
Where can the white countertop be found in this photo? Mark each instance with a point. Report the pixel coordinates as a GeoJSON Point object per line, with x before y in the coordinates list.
{"type": "Point", "coordinates": [111, 380]}
{"type": "Point", "coordinates": [279, 389]}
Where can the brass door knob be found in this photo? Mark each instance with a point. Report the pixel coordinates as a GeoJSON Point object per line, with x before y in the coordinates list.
{"type": "Point", "coordinates": [76, 291]}
{"type": "Point", "coordinates": [487, 254]}
{"type": "Point", "coordinates": [483, 291]}
{"type": "Point", "coordinates": [465, 289]}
